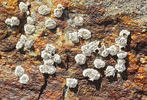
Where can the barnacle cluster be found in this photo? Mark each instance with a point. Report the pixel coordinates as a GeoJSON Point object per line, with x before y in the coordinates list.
{"type": "Point", "coordinates": [49, 57]}
{"type": "Point", "coordinates": [25, 42]}
{"type": "Point", "coordinates": [58, 11]}
{"type": "Point", "coordinates": [13, 21]}
{"type": "Point", "coordinates": [19, 72]}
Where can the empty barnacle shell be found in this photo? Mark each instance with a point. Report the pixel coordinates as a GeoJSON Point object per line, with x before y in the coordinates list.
{"type": "Point", "coordinates": [80, 59]}
{"type": "Point", "coordinates": [50, 23]}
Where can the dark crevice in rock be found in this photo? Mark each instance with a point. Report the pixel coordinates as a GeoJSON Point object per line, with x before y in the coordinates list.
{"type": "Point", "coordinates": [43, 86]}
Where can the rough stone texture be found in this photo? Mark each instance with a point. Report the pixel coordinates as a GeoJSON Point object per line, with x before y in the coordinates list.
{"type": "Point", "coordinates": [105, 19]}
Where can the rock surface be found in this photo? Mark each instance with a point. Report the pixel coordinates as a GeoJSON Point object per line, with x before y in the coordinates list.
{"type": "Point", "coordinates": [105, 19]}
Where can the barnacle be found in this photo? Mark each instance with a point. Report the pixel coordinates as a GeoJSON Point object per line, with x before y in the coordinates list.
{"type": "Point", "coordinates": [122, 54]}
{"type": "Point", "coordinates": [60, 6]}
{"type": "Point", "coordinates": [80, 59]}
{"type": "Point", "coordinates": [48, 62]}
{"type": "Point", "coordinates": [124, 33]}
{"type": "Point", "coordinates": [29, 43]}
{"type": "Point", "coordinates": [50, 23]}
{"type": "Point", "coordinates": [23, 7]}
{"type": "Point", "coordinates": [93, 46]}
{"type": "Point", "coordinates": [85, 50]}
{"type": "Point", "coordinates": [71, 82]}
{"type": "Point", "coordinates": [45, 55]}
{"type": "Point", "coordinates": [13, 21]}
{"type": "Point", "coordinates": [57, 58]}
{"type": "Point", "coordinates": [121, 61]}
{"type": "Point", "coordinates": [84, 33]}
{"type": "Point", "coordinates": [44, 10]}
{"type": "Point", "coordinates": [19, 71]}
{"type": "Point", "coordinates": [58, 12]}
{"type": "Point", "coordinates": [110, 71]}
{"type": "Point", "coordinates": [78, 21]}
{"type": "Point", "coordinates": [113, 50]}
{"type": "Point", "coordinates": [29, 29]}
{"type": "Point", "coordinates": [105, 52]}
{"type": "Point", "coordinates": [74, 37]}
{"type": "Point", "coordinates": [121, 42]}
{"type": "Point", "coordinates": [48, 69]}
{"type": "Point", "coordinates": [92, 74]}
{"type": "Point", "coordinates": [120, 68]}
{"type": "Point", "coordinates": [24, 79]}
{"type": "Point", "coordinates": [98, 63]}
{"type": "Point", "coordinates": [30, 20]}
{"type": "Point", "coordinates": [50, 49]}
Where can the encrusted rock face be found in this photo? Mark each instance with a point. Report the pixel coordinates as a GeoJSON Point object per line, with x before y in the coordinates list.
{"type": "Point", "coordinates": [104, 22]}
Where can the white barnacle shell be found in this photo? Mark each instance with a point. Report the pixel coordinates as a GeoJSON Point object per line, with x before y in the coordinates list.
{"type": "Point", "coordinates": [19, 45]}
{"type": "Point", "coordinates": [50, 49]}
{"type": "Point", "coordinates": [58, 12]}
{"type": "Point", "coordinates": [73, 37]}
{"type": "Point", "coordinates": [84, 33]}
{"type": "Point", "coordinates": [44, 10]}
{"type": "Point", "coordinates": [122, 54]}
{"type": "Point", "coordinates": [110, 71]}
{"type": "Point", "coordinates": [71, 82]}
{"type": "Point", "coordinates": [120, 68]}
{"type": "Point", "coordinates": [85, 50]}
{"type": "Point", "coordinates": [50, 23]}
{"type": "Point", "coordinates": [60, 6]}
{"type": "Point", "coordinates": [24, 79]}
{"type": "Point", "coordinates": [22, 38]}
{"type": "Point", "coordinates": [93, 46]}
{"type": "Point", "coordinates": [78, 21]}
{"type": "Point", "coordinates": [57, 58]}
{"type": "Point", "coordinates": [50, 69]}
{"type": "Point", "coordinates": [80, 59]}
{"type": "Point", "coordinates": [8, 21]}
{"type": "Point", "coordinates": [121, 61]}
{"type": "Point", "coordinates": [113, 50]}
{"type": "Point", "coordinates": [21, 42]}
{"type": "Point", "coordinates": [124, 33]}
{"type": "Point", "coordinates": [99, 63]}
{"type": "Point", "coordinates": [105, 52]}
{"type": "Point", "coordinates": [15, 21]}
{"type": "Point", "coordinates": [23, 7]}
{"type": "Point", "coordinates": [19, 71]}
{"type": "Point", "coordinates": [92, 74]}
{"type": "Point", "coordinates": [45, 55]}
{"type": "Point", "coordinates": [29, 29]}
{"type": "Point", "coordinates": [42, 69]}
{"type": "Point", "coordinates": [49, 62]}
{"type": "Point", "coordinates": [30, 20]}
{"type": "Point", "coordinates": [29, 43]}
{"type": "Point", "coordinates": [121, 42]}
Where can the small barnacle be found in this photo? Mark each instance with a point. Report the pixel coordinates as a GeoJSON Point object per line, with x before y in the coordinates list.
{"type": "Point", "coordinates": [93, 46]}
{"type": "Point", "coordinates": [110, 71]}
{"type": "Point", "coordinates": [23, 38]}
{"type": "Point", "coordinates": [121, 42]}
{"type": "Point", "coordinates": [50, 23]}
{"type": "Point", "coordinates": [113, 50]}
{"type": "Point", "coordinates": [24, 79]}
{"type": "Point", "coordinates": [73, 37]}
{"type": "Point", "coordinates": [84, 33]}
{"type": "Point", "coordinates": [122, 54]}
{"type": "Point", "coordinates": [23, 7]}
{"type": "Point", "coordinates": [92, 74]}
{"type": "Point", "coordinates": [85, 50]}
{"type": "Point", "coordinates": [29, 43]}
{"type": "Point", "coordinates": [120, 68]}
{"type": "Point", "coordinates": [50, 49]}
{"type": "Point", "coordinates": [80, 59]}
{"type": "Point", "coordinates": [15, 21]}
{"type": "Point", "coordinates": [8, 21]}
{"type": "Point", "coordinates": [19, 45]}
{"type": "Point", "coordinates": [98, 63]}
{"type": "Point", "coordinates": [29, 29]}
{"type": "Point", "coordinates": [78, 21]}
{"type": "Point", "coordinates": [49, 62]}
{"type": "Point", "coordinates": [71, 82]}
{"type": "Point", "coordinates": [105, 52]}
{"type": "Point", "coordinates": [57, 58]}
{"type": "Point", "coordinates": [58, 12]}
{"type": "Point", "coordinates": [42, 69]}
{"type": "Point", "coordinates": [44, 10]}
{"type": "Point", "coordinates": [19, 71]}
{"type": "Point", "coordinates": [30, 20]}
{"type": "Point", "coordinates": [124, 33]}
{"type": "Point", "coordinates": [60, 6]}
{"type": "Point", "coordinates": [50, 69]}
{"type": "Point", "coordinates": [45, 55]}
{"type": "Point", "coordinates": [121, 61]}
